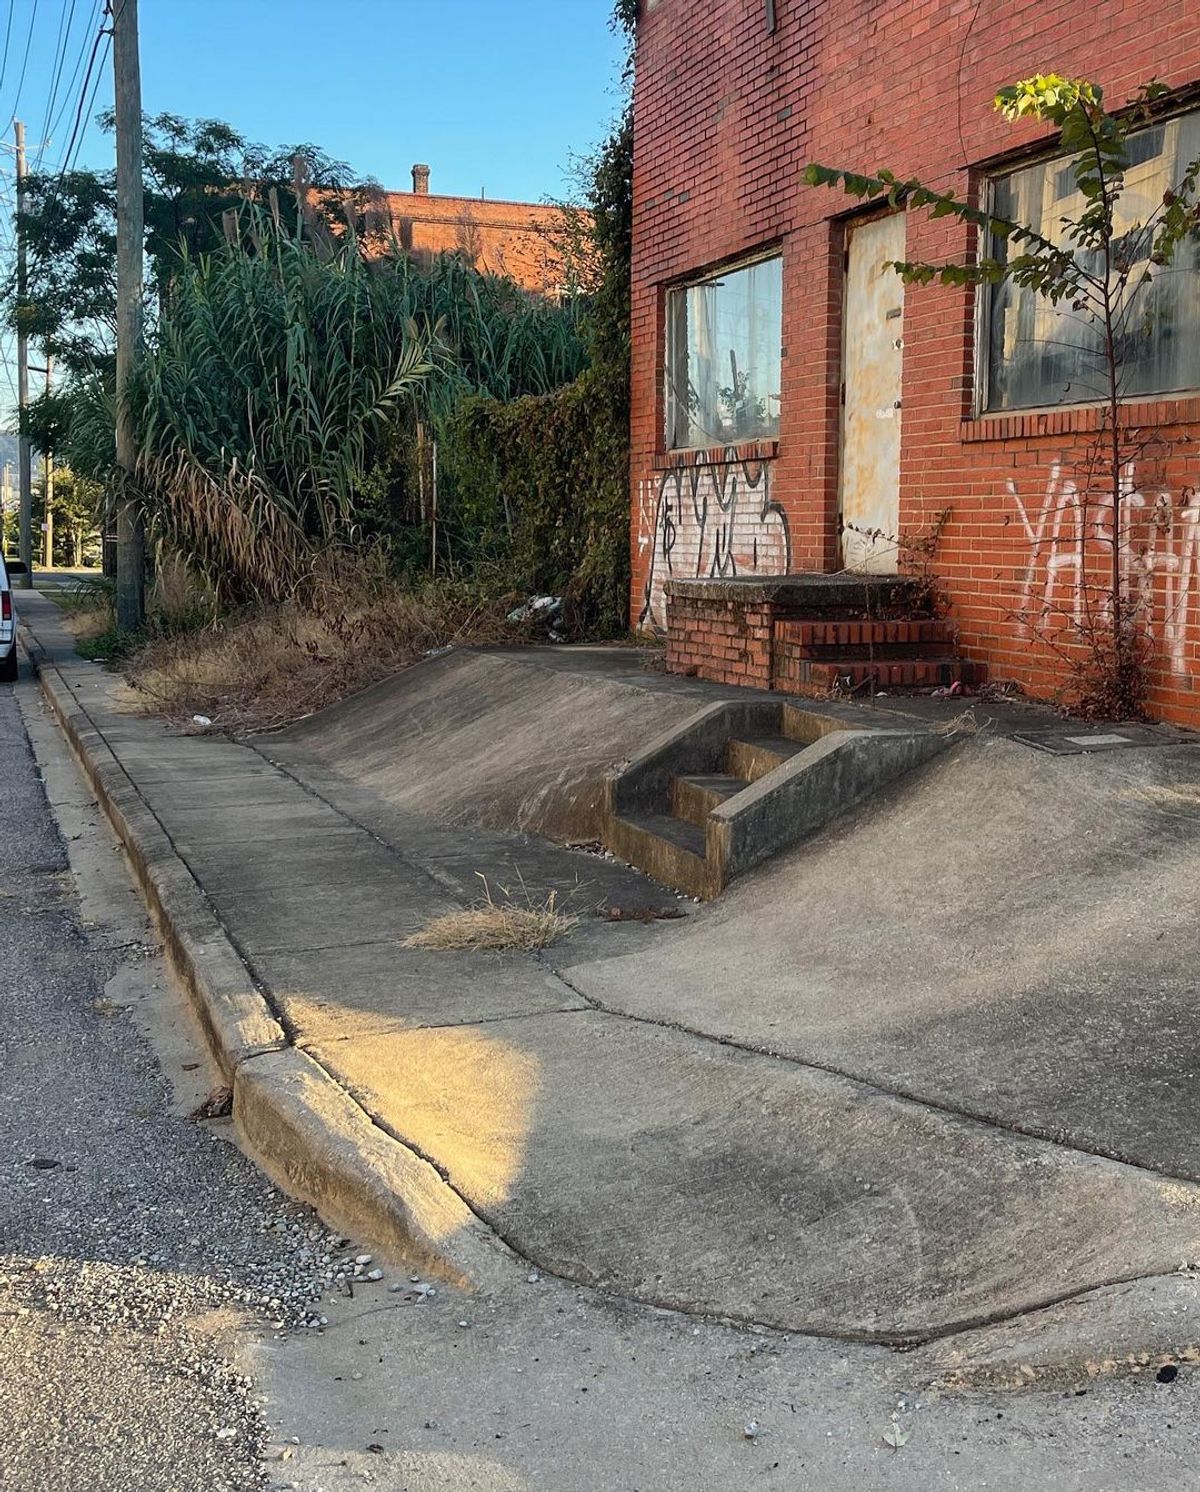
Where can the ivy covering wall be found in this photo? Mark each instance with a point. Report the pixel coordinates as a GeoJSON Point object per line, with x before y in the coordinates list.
{"type": "Point", "coordinates": [537, 490]}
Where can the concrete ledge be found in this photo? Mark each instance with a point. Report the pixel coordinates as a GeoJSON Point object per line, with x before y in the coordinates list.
{"type": "Point", "coordinates": [316, 1142]}
{"type": "Point", "coordinates": [667, 862]}
{"type": "Point", "coordinates": [836, 771]}
{"type": "Point", "coordinates": [808, 592]}
{"type": "Point", "coordinates": [832, 776]}
{"type": "Point", "coordinates": [235, 1016]}
{"type": "Point", "coordinates": [1121, 1330]}
{"type": "Point", "coordinates": [644, 781]}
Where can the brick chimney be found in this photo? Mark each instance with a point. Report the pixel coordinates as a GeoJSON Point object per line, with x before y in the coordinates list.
{"type": "Point", "coordinates": [421, 180]}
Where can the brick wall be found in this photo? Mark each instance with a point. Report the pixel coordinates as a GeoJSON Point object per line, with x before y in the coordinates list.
{"type": "Point", "coordinates": [725, 641]}
{"type": "Point", "coordinates": [726, 117]}
{"type": "Point", "coordinates": [517, 239]}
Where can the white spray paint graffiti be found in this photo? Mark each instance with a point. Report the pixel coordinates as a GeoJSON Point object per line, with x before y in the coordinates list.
{"type": "Point", "coordinates": [713, 521]}
{"type": "Point", "coordinates": [1070, 536]}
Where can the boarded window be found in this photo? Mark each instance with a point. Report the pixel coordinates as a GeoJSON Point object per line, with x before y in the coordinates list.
{"type": "Point", "coordinates": [724, 350]}
{"type": "Point", "coordinates": [1039, 354]}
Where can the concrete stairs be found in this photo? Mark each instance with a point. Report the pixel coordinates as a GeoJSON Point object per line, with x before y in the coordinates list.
{"type": "Point", "coordinates": [741, 782]}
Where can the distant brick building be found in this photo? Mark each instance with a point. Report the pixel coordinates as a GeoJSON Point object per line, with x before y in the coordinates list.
{"type": "Point", "coordinates": [797, 409]}
{"type": "Point", "coordinates": [518, 239]}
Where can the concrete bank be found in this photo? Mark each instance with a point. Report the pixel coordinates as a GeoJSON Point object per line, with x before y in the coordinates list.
{"type": "Point", "coordinates": [457, 1106]}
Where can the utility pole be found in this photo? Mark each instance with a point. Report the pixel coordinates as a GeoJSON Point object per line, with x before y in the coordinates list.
{"type": "Point", "coordinates": [24, 463]}
{"type": "Point", "coordinates": [48, 483]}
{"type": "Point", "coordinates": [127, 80]}
{"type": "Point", "coordinates": [5, 503]}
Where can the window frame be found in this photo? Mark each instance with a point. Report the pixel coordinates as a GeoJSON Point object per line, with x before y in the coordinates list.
{"type": "Point", "coordinates": [989, 177]}
{"type": "Point", "coordinates": [670, 333]}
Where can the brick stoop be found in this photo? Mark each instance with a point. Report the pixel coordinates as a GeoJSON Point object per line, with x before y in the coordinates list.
{"type": "Point", "coordinates": [813, 635]}
{"type": "Point", "coordinates": [822, 657]}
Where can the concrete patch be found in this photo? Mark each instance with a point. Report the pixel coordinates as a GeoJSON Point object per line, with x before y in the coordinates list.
{"type": "Point", "coordinates": [317, 891]}
{"type": "Point", "coordinates": [470, 861]}
{"type": "Point", "coordinates": [256, 823]}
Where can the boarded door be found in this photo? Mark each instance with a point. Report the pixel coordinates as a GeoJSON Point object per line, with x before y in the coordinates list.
{"type": "Point", "coordinates": [872, 321]}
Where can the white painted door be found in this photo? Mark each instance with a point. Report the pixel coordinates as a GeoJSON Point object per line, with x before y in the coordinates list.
{"type": "Point", "coordinates": [872, 355]}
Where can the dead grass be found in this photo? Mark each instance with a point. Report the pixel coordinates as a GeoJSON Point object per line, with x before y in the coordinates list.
{"type": "Point", "coordinates": [87, 623]}
{"type": "Point", "coordinates": [87, 607]}
{"type": "Point", "coordinates": [494, 926]}
{"type": "Point", "coordinates": [267, 669]}
{"type": "Point", "coordinates": [965, 723]}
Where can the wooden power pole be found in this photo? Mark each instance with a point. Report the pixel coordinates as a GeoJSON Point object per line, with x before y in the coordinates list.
{"type": "Point", "coordinates": [48, 483]}
{"type": "Point", "coordinates": [24, 462]}
{"type": "Point", "coordinates": [131, 560]}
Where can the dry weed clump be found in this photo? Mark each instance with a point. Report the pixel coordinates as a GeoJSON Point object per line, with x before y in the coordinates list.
{"type": "Point", "coordinates": [266, 669]}
{"type": "Point", "coordinates": [89, 619]}
{"type": "Point", "coordinates": [497, 925]}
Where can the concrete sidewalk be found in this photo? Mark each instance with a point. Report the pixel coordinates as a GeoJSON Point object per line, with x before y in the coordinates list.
{"type": "Point", "coordinates": [588, 1111]}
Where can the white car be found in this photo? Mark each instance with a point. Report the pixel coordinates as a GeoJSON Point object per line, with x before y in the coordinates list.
{"type": "Point", "coordinates": [8, 620]}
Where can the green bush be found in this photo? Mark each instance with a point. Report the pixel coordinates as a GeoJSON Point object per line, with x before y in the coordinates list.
{"type": "Point", "coordinates": [537, 490]}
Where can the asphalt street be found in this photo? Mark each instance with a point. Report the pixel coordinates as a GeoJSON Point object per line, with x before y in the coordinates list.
{"type": "Point", "coordinates": [135, 1242]}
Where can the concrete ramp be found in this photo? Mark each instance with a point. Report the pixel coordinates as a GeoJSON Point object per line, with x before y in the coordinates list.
{"type": "Point", "coordinates": [515, 739]}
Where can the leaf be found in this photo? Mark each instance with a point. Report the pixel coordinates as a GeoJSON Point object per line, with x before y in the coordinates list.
{"type": "Point", "coordinates": [896, 1436]}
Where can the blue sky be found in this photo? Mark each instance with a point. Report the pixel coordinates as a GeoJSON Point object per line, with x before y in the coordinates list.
{"type": "Point", "coordinates": [496, 95]}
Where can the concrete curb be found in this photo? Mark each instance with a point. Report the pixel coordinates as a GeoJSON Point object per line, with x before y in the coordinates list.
{"type": "Point", "coordinates": [301, 1127]}
{"type": "Point", "coordinates": [236, 1018]}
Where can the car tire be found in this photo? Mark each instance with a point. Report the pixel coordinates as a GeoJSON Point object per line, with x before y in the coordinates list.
{"type": "Point", "coordinates": [9, 668]}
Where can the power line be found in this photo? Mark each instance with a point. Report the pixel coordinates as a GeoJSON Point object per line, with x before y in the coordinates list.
{"type": "Point", "coordinates": [25, 59]}
{"type": "Point", "coordinates": [70, 89]}
{"type": "Point", "coordinates": [12, 5]}
{"type": "Point", "coordinates": [102, 34]}
{"type": "Point", "coordinates": [66, 21]}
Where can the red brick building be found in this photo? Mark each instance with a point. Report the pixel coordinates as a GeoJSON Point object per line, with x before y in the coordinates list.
{"type": "Point", "coordinates": [796, 408]}
{"type": "Point", "coordinates": [518, 239]}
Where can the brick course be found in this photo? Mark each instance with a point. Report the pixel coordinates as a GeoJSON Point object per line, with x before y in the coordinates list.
{"type": "Point", "coordinates": [727, 115]}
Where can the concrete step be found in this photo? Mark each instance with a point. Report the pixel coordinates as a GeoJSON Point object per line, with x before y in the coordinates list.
{"type": "Point", "coordinates": [694, 797]}
{"type": "Point", "coordinates": [752, 757]}
{"type": "Point", "coordinates": [667, 848]}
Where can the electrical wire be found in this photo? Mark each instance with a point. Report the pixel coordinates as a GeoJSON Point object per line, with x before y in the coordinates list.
{"type": "Point", "coordinates": [66, 21]}
{"type": "Point", "coordinates": [25, 59]}
{"type": "Point", "coordinates": [12, 5]}
{"type": "Point", "coordinates": [85, 102]}
{"type": "Point", "coordinates": [70, 89]}
{"type": "Point", "coordinates": [105, 35]}
{"type": "Point", "coordinates": [962, 57]}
